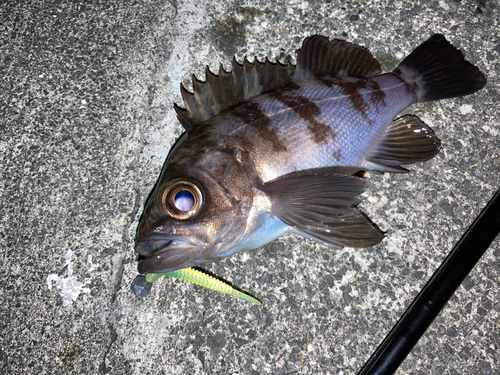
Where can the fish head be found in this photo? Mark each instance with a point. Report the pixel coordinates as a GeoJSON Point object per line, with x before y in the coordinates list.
{"type": "Point", "coordinates": [196, 213]}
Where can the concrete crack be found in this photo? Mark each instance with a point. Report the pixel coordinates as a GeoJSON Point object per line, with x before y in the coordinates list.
{"type": "Point", "coordinates": [103, 369]}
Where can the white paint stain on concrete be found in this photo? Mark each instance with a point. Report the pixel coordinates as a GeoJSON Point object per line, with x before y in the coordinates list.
{"type": "Point", "coordinates": [70, 286]}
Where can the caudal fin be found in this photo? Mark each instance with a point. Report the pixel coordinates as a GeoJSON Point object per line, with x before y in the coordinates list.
{"type": "Point", "coordinates": [441, 70]}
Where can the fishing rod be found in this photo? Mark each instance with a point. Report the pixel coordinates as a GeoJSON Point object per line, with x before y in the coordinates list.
{"type": "Point", "coordinates": [436, 293]}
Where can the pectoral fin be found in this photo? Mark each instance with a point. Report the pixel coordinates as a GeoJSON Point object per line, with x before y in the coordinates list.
{"type": "Point", "coordinates": [320, 206]}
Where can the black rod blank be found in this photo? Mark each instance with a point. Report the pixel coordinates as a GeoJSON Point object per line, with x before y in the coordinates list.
{"type": "Point", "coordinates": [438, 290]}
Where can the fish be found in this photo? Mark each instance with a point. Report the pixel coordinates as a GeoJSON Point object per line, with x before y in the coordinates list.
{"type": "Point", "coordinates": [272, 148]}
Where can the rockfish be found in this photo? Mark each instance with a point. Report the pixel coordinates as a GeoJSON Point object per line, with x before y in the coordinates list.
{"type": "Point", "coordinates": [273, 148]}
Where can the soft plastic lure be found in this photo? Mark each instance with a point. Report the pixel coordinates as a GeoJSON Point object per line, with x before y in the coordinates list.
{"type": "Point", "coordinates": [194, 276]}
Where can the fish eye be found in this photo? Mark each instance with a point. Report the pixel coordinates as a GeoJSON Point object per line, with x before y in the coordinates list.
{"type": "Point", "coordinates": [184, 200]}
{"type": "Point", "coordinates": [181, 198]}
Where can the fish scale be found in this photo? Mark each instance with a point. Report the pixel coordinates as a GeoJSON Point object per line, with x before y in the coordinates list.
{"type": "Point", "coordinates": [273, 148]}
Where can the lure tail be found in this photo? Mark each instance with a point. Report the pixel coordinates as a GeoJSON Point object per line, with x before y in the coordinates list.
{"type": "Point", "coordinates": [194, 276]}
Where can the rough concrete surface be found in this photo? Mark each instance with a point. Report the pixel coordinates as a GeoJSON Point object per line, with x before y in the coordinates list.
{"type": "Point", "coordinates": [86, 92]}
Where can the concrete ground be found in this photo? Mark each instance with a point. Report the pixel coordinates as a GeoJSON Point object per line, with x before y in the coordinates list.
{"type": "Point", "coordinates": [87, 90]}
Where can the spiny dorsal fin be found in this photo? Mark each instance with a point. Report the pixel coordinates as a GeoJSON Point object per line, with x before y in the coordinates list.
{"type": "Point", "coordinates": [226, 89]}
{"type": "Point", "coordinates": [320, 56]}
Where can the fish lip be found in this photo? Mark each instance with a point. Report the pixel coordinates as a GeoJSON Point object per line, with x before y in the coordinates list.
{"type": "Point", "coordinates": [158, 243]}
{"type": "Point", "coordinates": [164, 253]}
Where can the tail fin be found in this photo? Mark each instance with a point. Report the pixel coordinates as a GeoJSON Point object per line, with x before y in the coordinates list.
{"type": "Point", "coordinates": [442, 72]}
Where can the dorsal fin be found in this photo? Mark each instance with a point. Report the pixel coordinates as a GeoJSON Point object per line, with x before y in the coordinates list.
{"type": "Point", "coordinates": [226, 89]}
{"type": "Point", "coordinates": [320, 56]}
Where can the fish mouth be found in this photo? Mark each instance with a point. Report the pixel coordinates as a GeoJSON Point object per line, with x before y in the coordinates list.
{"type": "Point", "coordinates": [164, 253]}
{"type": "Point", "coordinates": [155, 243]}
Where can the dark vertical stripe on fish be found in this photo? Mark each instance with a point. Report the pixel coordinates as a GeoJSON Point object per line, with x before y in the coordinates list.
{"type": "Point", "coordinates": [351, 90]}
{"type": "Point", "coordinates": [251, 114]}
{"type": "Point", "coordinates": [411, 89]}
{"type": "Point", "coordinates": [306, 109]}
{"type": "Point", "coordinates": [337, 155]}
{"type": "Point", "coordinates": [377, 95]}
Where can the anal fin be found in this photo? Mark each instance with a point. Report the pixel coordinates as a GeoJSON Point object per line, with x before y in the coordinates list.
{"type": "Point", "coordinates": [407, 140]}
{"type": "Point", "coordinates": [320, 206]}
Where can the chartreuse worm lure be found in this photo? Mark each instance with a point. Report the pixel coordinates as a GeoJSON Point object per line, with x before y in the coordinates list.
{"type": "Point", "coordinates": [194, 276]}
